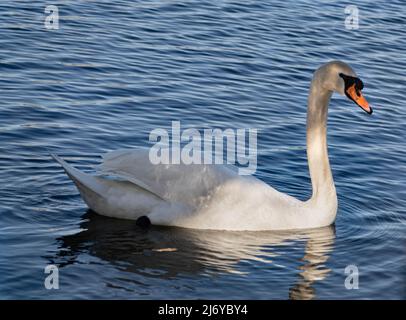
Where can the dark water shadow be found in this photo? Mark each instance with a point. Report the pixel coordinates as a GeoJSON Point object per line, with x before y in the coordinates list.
{"type": "Point", "coordinates": [168, 253]}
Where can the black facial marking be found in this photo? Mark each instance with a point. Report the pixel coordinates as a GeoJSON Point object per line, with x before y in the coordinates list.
{"type": "Point", "coordinates": [349, 81]}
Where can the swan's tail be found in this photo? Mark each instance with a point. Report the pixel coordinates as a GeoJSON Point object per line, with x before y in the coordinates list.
{"type": "Point", "coordinates": [91, 188]}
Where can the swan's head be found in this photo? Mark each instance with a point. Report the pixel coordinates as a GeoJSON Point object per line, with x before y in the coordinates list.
{"type": "Point", "coordinates": [341, 78]}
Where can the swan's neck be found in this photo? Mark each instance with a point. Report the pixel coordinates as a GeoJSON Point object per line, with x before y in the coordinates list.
{"type": "Point", "coordinates": [324, 193]}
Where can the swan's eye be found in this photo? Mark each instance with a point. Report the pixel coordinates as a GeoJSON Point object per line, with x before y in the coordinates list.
{"type": "Point", "coordinates": [359, 85]}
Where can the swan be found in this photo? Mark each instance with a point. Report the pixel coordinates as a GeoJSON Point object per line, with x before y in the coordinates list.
{"type": "Point", "coordinates": [129, 186]}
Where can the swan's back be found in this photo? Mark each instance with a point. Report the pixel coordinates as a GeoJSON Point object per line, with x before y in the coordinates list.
{"type": "Point", "coordinates": [171, 182]}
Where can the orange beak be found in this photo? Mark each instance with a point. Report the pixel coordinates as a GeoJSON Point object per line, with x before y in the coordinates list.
{"type": "Point", "coordinates": [359, 99]}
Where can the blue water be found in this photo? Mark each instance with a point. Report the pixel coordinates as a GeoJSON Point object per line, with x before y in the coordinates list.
{"type": "Point", "coordinates": [115, 71]}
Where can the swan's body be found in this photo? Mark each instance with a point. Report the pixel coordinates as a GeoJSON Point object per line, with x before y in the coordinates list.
{"type": "Point", "coordinates": [214, 196]}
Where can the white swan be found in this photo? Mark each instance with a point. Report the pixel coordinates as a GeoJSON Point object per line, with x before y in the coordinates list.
{"type": "Point", "coordinates": [214, 196]}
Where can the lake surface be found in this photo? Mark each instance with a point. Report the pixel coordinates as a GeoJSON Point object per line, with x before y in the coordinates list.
{"type": "Point", "coordinates": [112, 73]}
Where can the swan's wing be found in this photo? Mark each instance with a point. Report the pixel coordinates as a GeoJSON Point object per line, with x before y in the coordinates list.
{"type": "Point", "coordinates": [131, 166]}
{"type": "Point", "coordinates": [174, 182]}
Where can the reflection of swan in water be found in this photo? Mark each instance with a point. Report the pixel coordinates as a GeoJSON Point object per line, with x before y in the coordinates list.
{"type": "Point", "coordinates": [317, 250]}
{"type": "Point", "coordinates": [171, 252]}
